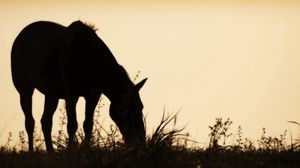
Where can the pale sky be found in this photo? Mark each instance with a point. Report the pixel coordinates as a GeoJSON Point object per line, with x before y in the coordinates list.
{"type": "Point", "coordinates": [236, 59]}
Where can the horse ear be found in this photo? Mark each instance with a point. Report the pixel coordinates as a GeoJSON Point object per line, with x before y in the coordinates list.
{"type": "Point", "coordinates": [140, 84]}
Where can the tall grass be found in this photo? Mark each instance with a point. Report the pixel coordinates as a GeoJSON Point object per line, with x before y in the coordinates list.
{"type": "Point", "coordinates": [295, 144]}
{"type": "Point", "coordinates": [166, 146]}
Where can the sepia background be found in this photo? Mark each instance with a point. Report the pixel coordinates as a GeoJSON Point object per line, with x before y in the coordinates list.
{"type": "Point", "coordinates": [206, 59]}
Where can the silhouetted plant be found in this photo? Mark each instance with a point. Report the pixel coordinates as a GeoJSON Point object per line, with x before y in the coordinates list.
{"type": "Point", "coordinates": [295, 144]}
{"type": "Point", "coordinates": [243, 144]}
{"type": "Point", "coordinates": [38, 140]}
{"type": "Point", "coordinates": [102, 137]}
{"type": "Point", "coordinates": [162, 137]}
{"type": "Point", "coordinates": [248, 145]}
{"type": "Point", "coordinates": [165, 147]}
{"type": "Point", "coordinates": [60, 140]}
{"type": "Point", "coordinates": [240, 142]}
{"type": "Point", "coordinates": [9, 141]}
{"type": "Point", "coordinates": [22, 141]}
{"type": "Point", "coordinates": [272, 143]}
{"type": "Point", "coordinates": [218, 132]}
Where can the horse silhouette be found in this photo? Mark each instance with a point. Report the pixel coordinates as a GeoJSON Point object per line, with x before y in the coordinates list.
{"type": "Point", "coordinates": [69, 62]}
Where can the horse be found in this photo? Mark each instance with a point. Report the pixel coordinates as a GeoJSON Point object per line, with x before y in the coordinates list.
{"type": "Point", "coordinates": [68, 63]}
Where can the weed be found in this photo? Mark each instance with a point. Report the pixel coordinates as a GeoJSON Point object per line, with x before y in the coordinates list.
{"type": "Point", "coordinates": [295, 145]}
{"type": "Point", "coordinates": [219, 131]}
{"type": "Point", "coordinates": [165, 147]}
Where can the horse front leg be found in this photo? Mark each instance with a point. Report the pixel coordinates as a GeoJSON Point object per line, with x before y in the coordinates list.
{"type": "Point", "coordinates": [72, 119]}
{"type": "Point", "coordinates": [91, 103]}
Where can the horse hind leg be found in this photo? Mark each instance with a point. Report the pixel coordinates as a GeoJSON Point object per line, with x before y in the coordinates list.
{"type": "Point", "coordinates": [46, 121]}
{"type": "Point", "coordinates": [26, 105]}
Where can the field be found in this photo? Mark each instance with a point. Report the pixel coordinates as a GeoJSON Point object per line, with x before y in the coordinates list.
{"type": "Point", "coordinates": [166, 148]}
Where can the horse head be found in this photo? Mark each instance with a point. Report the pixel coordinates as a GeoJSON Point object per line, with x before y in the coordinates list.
{"type": "Point", "coordinates": [126, 111]}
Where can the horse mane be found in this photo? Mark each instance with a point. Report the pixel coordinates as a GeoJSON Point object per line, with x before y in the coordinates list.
{"type": "Point", "coordinates": [91, 26]}
{"type": "Point", "coordinates": [119, 70]}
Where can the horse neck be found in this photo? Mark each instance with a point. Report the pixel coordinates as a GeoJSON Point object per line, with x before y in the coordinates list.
{"type": "Point", "coordinates": [118, 83]}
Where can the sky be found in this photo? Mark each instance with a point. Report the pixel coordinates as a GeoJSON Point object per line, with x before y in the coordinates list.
{"type": "Point", "coordinates": [236, 59]}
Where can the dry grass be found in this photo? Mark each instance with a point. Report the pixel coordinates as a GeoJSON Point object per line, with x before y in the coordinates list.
{"type": "Point", "coordinates": [167, 147]}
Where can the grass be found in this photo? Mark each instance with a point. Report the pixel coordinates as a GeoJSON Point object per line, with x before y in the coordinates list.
{"type": "Point", "coordinates": [167, 147]}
